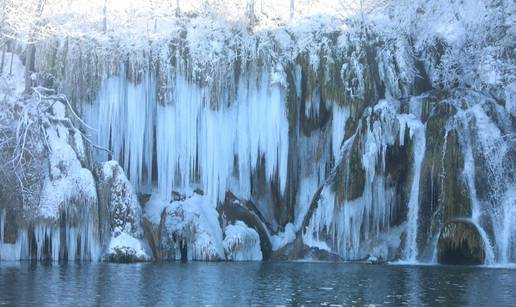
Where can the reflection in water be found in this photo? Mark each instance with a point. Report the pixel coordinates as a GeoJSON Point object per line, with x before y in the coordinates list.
{"type": "Point", "coordinates": [254, 283]}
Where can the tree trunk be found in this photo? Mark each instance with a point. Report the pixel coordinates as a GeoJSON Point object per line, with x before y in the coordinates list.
{"type": "Point", "coordinates": [292, 8]}
{"type": "Point", "coordinates": [3, 59]}
{"type": "Point", "coordinates": [31, 48]}
{"type": "Point", "coordinates": [29, 67]}
{"type": "Point", "coordinates": [104, 24]}
{"type": "Point", "coordinates": [13, 47]}
{"type": "Point", "coordinates": [250, 13]}
{"type": "Point", "coordinates": [178, 10]}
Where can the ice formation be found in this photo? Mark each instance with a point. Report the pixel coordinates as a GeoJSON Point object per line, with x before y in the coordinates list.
{"type": "Point", "coordinates": [193, 230]}
{"type": "Point", "coordinates": [241, 242]}
{"type": "Point", "coordinates": [196, 145]}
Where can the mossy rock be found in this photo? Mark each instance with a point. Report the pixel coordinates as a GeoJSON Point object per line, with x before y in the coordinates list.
{"type": "Point", "coordinates": [444, 194]}
{"type": "Point", "coordinates": [460, 243]}
{"type": "Point", "coordinates": [456, 195]}
{"type": "Point", "coordinates": [349, 178]}
{"type": "Point", "coordinates": [13, 223]}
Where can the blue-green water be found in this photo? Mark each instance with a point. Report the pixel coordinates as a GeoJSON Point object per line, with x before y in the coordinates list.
{"type": "Point", "coordinates": [261, 284]}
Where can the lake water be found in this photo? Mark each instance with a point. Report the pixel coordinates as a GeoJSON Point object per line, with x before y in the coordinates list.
{"type": "Point", "coordinates": [260, 284]}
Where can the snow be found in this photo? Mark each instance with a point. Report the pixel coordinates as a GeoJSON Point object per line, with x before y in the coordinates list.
{"type": "Point", "coordinates": [68, 188]}
{"type": "Point", "coordinates": [283, 238]}
{"type": "Point", "coordinates": [127, 245]}
{"type": "Point", "coordinates": [241, 243]}
{"type": "Point", "coordinates": [194, 222]}
{"type": "Point", "coordinates": [124, 209]}
{"type": "Point", "coordinates": [65, 220]}
{"type": "Point", "coordinates": [154, 208]}
{"type": "Point", "coordinates": [67, 181]}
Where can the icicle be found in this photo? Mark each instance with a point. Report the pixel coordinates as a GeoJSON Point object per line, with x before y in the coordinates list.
{"type": "Point", "coordinates": [124, 117]}
{"type": "Point", "coordinates": [340, 117]}
{"type": "Point", "coordinates": [196, 144]}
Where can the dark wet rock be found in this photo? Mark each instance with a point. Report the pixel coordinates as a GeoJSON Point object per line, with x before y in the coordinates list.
{"type": "Point", "coordinates": [297, 250]}
{"type": "Point", "coordinates": [234, 209]}
{"type": "Point", "coordinates": [398, 175]}
{"type": "Point", "coordinates": [125, 255]}
{"type": "Point", "coordinates": [460, 243]}
{"type": "Point", "coordinates": [375, 260]}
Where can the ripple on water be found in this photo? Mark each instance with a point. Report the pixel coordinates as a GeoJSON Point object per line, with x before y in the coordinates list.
{"type": "Point", "coordinates": [255, 284]}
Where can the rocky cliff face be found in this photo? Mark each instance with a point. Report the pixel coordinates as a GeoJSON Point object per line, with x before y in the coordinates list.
{"type": "Point", "coordinates": [319, 140]}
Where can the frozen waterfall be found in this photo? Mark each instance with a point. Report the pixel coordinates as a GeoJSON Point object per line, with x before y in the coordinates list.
{"type": "Point", "coordinates": [197, 145]}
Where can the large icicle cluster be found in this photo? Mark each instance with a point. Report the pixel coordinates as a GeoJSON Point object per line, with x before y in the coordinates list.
{"type": "Point", "coordinates": [195, 144]}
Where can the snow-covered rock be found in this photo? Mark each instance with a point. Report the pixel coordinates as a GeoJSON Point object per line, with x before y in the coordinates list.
{"type": "Point", "coordinates": [122, 215]}
{"type": "Point", "coordinates": [125, 248]}
{"type": "Point", "coordinates": [118, 194]}
{"type": "Point", "coordinates": [67, 182]}
{"type": "Point", "coordinates": [241, 243]}
{"type": "Point", "coordinates": [190, 228]}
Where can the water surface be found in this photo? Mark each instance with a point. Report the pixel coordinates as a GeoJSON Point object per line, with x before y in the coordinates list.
{"type": "Point", "coordinates": [254, 283]}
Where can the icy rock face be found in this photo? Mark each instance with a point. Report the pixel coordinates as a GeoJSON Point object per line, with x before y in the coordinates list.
{"type": "Point", "coordinates": [463, 140]}
{"type": "Point", "coordinates": [241, 242]}
{"type": "Point", "coordinates": [65, 225]}
{"type": "Point", "coordinates": [119, 205]}
{"type": "Point", "coordinates": [357, 211]}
